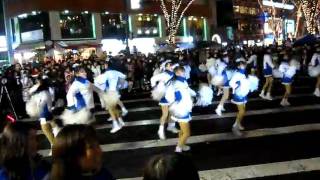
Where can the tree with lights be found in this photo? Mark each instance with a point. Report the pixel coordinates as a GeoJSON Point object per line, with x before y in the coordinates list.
{"type": "Point", "coordinates": [310, 9]}
{"type": "Point", "coordinates": [173, 14]}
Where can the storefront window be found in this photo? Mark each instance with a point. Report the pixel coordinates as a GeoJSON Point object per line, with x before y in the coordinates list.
{"type": "Point", "coordinates": [196, 27]}
{"type": "Point", "coordinates": [147, 25]}
{"type": "Point", "coordinates": [112, 26]}
{"type": "Point", "coordinates": [76, 25]}
{"type": "Point", "coordinates": [34, 26]}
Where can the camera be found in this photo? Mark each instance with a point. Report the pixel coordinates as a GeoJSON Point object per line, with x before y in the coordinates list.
{"type": "Point", "coordinates": [4, 81]}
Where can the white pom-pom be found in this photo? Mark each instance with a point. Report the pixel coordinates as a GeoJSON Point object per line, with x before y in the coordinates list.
{"type": "Point", "coordinates": [158, 92]}
{"type": "Point", "coordinates": [122, 84]}
{"type": "Point", "coordinates": [181, 109]}
{"type": "Point", "coordinates": [32, 107]}
{"type": "Point", "coordinates": [244, 89]}
{"type": "Point", "coordinates": [296, 64]}
{"type": "Point", "coordinates": [314, 71]}
{"type": "Point", "coordinates": [254, 83]}
{"type": "Point", "coordinates": [217, 80]}
{"type": "Point", "coordinates": [230, 74]}
{"type": "Point", "coordinates": [291, 72]}
{"type": "Point", "coordinates": [111, 98]}
{"type": "Point", "coordinates": [81, 117]}
{"type": "Point", "coordinates": [205, 96]}
{"type": "Point", "coordinates": [277, 73]}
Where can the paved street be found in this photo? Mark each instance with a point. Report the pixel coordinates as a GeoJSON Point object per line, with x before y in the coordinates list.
{"type": "Point", "coordinates": [279, 143]}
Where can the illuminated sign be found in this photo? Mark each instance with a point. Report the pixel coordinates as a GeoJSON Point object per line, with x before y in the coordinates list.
{"type": "Point", "coordinates": [135, 4]}
{"type": "Point", "coordinates": [278, 5]}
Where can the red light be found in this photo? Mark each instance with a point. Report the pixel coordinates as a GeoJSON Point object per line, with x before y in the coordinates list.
{"type": "Point", "coordinates": [10, 118]}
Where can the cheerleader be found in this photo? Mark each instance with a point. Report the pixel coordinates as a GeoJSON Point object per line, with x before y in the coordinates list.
{"type": "Point", "coordinates": [268, 67]}
{"type": "Point", "coordinates": [40, 105]}
{"type": "Point", "coordinates": [80, 104]}
{"type": "Point", "coordinates": [288, 71]}
{"type": "Point", "coordinates": [252, 61]}
{"type": "Point", "coordinates": [314, 70]}
{"type": "Point", "coordinates": [110, 80]}
{"type": "Point", "coordinates": [179, 96]}
{"type": "Point", "coordinates": [159, 83]}
{"type": "Point", "coordinates": [221, 71]}
{"type": "Point", "coordinates": [241, 86]}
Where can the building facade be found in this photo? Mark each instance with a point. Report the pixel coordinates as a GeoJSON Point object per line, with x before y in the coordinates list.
{"type": "Point", "coordinates": [60, 25]}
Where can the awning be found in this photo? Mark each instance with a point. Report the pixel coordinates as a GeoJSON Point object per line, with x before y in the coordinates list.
{"type": "Point", "coordinates": [77, 44]}
{"type": "Point", "coordinates": [30, 46]}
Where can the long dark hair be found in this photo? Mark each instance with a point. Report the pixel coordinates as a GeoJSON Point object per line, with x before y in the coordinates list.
{"type": "Point", "coordinates": [170, 167]}
{"type": "Point", "coordinates": [14, 151]}
{"type": "Point", "coordinates": [69, 146]}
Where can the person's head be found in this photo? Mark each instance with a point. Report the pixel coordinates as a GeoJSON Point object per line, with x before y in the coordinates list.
{"type": "Point", "coordinates": [80, 72]}
{"type": "Point", "coordinates": [18, 145]}
{"type": "Point", "coordinates": [241, 64]}
{"type": "Point", "coordinates": [179, 71]}
{"type": "Point", "coordinates": [168, 66]}
{"type": "Point", "coordinates": [170, 167]}
{"type": "Point", "coordinates": [76, 151]}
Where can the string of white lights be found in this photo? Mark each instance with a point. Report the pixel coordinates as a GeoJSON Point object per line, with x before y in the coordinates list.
{"type": "Point", "coordinates": [173, 19]}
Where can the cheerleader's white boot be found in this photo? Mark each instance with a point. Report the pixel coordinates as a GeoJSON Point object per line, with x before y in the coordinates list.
{"type": "Point", "coordinates": [172, 128]}
{"type": "Point", "coordinates": [262, 95]}
{"type": "Point", "coordinates": [219, 110]}
{"type": "Point", "coordinates": [268, 97]}
{"type": "Point", "coordinates": [317, 92]}
{"type": "Point", "coordinates": [161, 133]}
{"type": "Point", "coordinates": [115, 127]}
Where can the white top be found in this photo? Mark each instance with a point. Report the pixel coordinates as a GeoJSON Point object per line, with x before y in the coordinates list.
{"type": "Point", "coordinates": [253, 60]}
{"type": "Point", "coordinates": [109, 80]}
{"type": "Point", "coordinates": [267, 61]}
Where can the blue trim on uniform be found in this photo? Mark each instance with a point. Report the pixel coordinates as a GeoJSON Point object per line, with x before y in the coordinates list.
{"type": "Point", "coordinates": [242, 71]}
{"type": "Point", "coordinates": [169, 72]}
{"type": "Point", "coordinates": [181, 79]}
{"type": "Point", "coordinates": [186, 117]}
{"type": "Point", "coordinates": [317, 63]}
{"type": "Point", "coordinates": [81, 80]}
{"type": "Point", "coordinates": [107, 85]}
{"type": "Point", "coordinates": [45, 113]}
{"type": "Point", "coordinates": [239, 99]}
{"type": "Point", "coordinates": [163, 100]}
{"type": "Point", "coordinates": [267, 71]}
{"type": "Point", "coordinates": [81, 103]}
{"type": "Point", "coordinates": [225, 79]}
{"type": "Point", "coordinates": [286, 80]}
{"type": "Point", "coordinates": [178, 96]}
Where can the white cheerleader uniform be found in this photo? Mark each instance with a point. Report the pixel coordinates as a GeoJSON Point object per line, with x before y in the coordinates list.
{"type": "Point", "coordinates": [253, 61]}
{"type": "Point", "coordinates": [162, 79]}
{"type": "Point", "coordinates": [241, 87]}
{"type": "Point", "coordinates": [267, 65]}
{"type": "Point", "coordinates": [314, 66]}
{"type": "Point", "coordinates": [221, 76]}
{"type": "Point", "coordinates": [40, 105]}
{"type": "Point", "coordinates": [110, 82]}
{"type": "Point", "coordinates": [80, 95]}
{"type": "Point", "coordinates": [179, 96]}
{"type": "Point", "coordinates": [288, 73]}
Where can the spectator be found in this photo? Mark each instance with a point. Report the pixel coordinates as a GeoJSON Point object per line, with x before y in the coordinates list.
{"type": "Point", "coordinates": [77, 155]}
{"type": "Point", "coordinates": [170, 167]}
{"type": "Point", "coordinates": [18, 154]}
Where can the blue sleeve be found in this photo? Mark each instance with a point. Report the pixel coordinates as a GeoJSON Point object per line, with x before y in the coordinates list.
{"type": "Point", "coordinates": [177, 96]}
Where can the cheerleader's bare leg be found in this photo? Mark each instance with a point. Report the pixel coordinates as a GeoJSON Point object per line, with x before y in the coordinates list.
{"type": "Point", "coordinates": [317, 89]}
{"type": "Point", "coordinates": [268, 87]}
{"type": "Point", "coordinates": [123, 108]}
{"type": "Point", "coordinates": [116, 122]}
{"type": "Point", "coordinates": [184, 134]}
{"type": "Point", "coordinates": [163, 120]}
{"type": "Point", "coordinates": [286, 95]}
{"type": "Point", "coordinates": [237, 126]}
{"type": "Point", "coordinates": [47, 130]}
{"type": "Point", "coordinates": [225, 97]}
